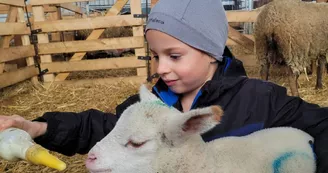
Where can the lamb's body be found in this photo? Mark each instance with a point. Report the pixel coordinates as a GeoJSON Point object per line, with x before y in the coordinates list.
{"type": "Point", "coordinates": [258, 152]}
{"type": "Point", "coordinates": [151, 137]}
{"type": "Point", "coordinates": [294, 33]}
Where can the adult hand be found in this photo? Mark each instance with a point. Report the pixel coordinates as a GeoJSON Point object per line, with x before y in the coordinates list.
{"type": "Point", "coordinates": [35, 129]}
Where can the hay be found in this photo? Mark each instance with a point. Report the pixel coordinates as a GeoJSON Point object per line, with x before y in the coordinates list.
{"type": "Point", "coordinates": [25, 100]}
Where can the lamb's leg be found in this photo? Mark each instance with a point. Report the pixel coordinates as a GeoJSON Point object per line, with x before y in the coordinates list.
{"type": "Point", "coordinates": [313, 67]}
{"type": "Point", "coordinates": [292, 78]}
{"type": "Point", "coordinates": [265, 71]}
{"type": "Point", "coordinates": [320, 70]}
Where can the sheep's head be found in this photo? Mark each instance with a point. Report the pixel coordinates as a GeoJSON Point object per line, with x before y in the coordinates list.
{"type": "Point", "coordinates": [143, 129]}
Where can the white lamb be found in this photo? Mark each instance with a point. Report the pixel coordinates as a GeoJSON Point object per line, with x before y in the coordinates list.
{"type": "Point", "coordinates": [153, 138]}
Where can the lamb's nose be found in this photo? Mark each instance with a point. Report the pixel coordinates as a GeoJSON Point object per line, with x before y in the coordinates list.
{"type": "Point", "coordinates": [91, 157]}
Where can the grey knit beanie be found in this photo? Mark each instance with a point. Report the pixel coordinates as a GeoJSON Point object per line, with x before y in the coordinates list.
{"type": "Point", "coordinates": [201, 24]}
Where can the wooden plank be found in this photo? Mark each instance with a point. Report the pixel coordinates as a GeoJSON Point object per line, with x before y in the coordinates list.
{"type": "Point", "coordinates": [233, 43]}
{"type": "Point", "coordinates": [10, 78]}
{"type": "Point", "coordinates": [242, 15]}
{"type": "Point", "coordinates": [2, 67]}
{"type": "Point", "coordinates": [42, 2]}
{"type": "Point", "coordinates": [72, 7]}
{"type": "Point", "coordinates": [95, 34]}
{"type": "Point", "coordinates": [5, 8]}
{"type": "Point", "coordinates": [88, 23]}
{"type": "Point", "coordinates": [19, 3]}
{"type": "Point", "coordinates": [91, 45]}
{"type": "Point", "coordinates": [11, 17]}
{"type": "Point", "coordinates": [26, 42]}
{"type": "Point", "coordinates": [55, 36]}
{"type": "Point", "coordinates": [240, 39]}
{"type": "Point", "coordinates": [12, 28]}
{"type": "Point", "coordinates": [38, 13]}
{"type": "Point", "coordinates": [105, 81]}
{"type": "Point", "coordinates": [90, 65]}
{"type": "Point", "coordinates": [138, 31]}
{"type": "Point", "coordinates": [17, 52]}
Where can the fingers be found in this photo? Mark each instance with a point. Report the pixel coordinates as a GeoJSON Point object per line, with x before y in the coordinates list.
{"type": "Point", "coordinates": [11, 121]}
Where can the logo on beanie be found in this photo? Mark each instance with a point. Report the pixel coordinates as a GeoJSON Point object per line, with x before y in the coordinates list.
{"type": "Point", "coordinates": [155, 20]}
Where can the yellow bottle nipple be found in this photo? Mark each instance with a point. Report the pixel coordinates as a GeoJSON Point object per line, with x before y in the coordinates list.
{"type": "Point", "coordinates": [40, 156]}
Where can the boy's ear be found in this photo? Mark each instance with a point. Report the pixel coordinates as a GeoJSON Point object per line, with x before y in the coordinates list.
{"type": "Point", "coordinates": [145, 94]}
{"type": "Point", "coordinates": [201, 120]}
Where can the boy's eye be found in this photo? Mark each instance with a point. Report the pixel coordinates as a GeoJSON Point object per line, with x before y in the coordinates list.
{"type": "Point", "coordinates": [156, 57]}
{"type": "Point", "coordinates": [175, 56]}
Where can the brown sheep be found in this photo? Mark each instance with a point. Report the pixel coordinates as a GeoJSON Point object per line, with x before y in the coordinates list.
{"type": "Point", "coordinates": [294, 33]}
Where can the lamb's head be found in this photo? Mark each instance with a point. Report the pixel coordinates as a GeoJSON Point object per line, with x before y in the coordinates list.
{"type": "Point", "coordinates": [143, 129]}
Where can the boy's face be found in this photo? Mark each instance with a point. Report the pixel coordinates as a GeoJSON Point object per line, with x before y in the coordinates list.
{"type": "Point", "coordinates": [183, 68]}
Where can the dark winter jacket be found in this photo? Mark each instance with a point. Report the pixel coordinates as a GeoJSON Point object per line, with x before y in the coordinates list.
{"type": "Point", "coordinates": [249, 105]}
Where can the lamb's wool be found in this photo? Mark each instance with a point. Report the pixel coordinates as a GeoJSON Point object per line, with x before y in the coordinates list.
{"type": "Point", "coordinates": [152, 137]}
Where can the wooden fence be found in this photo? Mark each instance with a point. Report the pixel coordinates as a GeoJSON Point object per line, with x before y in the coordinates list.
{"type": "Point", "coordinates": [53, 24]}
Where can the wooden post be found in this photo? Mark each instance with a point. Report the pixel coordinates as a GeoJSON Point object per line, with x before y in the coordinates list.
{"type": "Point", "coordinates": [153, 2]}
{"type": "Point", "coordinates": [95, 34]}
{"type": "Point", "coordinates": [153, 67]}
{"type": "Point", "coordinates": [55, 36]}
{"type": "Point", "coordinates": [138, 31]}
{"type": "Point", "coordinates": [38, 13]}
{"type": "Point", "coordinates": [26, 41]}
{"type": "Point", "coordinates": [11, 17]}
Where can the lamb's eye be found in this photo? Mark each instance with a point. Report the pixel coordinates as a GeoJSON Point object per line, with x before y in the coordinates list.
{"type": "Point", "coordinates": [135, 144]}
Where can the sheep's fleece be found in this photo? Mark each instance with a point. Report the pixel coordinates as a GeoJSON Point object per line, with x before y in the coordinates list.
{"type": "Point", "coordinates": [151, 137]}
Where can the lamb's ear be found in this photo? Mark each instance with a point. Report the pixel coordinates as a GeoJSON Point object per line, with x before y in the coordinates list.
{"type": "Point", "coordinates": [145, 94]}
{"type": "Point", "coordinates": [201, 120]}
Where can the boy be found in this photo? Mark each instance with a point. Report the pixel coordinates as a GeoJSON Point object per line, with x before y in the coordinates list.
{"type": "Point", "coordinates": [188, 40]}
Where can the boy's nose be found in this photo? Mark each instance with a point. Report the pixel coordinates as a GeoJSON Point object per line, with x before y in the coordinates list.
{"type": "Point", "coordinates": [162, 68]}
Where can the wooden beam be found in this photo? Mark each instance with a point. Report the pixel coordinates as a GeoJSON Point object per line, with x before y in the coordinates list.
{"type": "Point", "coordinates": [105, 81]}
{"type": "Point", "coordinates": [242, 15]}
{"type": "Point", "coordinates": [42, 2]}
{"type": "Point", "coordinates": [72, 7]}
{"type": "Point", "coordinates": [12, 28]}
{"type": "Point", "coordinates": [2, 67]}
{"type": "Point", "coordinates": [88, 23]}
{"type": "Point", "coordinates": [17, 52]}
{"type": "Point", "coordinates": [95, 34]}
{"type": "Point", "coordinates": [240, 39]}
{"type": "Point", "coordinates": [90, 65]}
{"type": "Point", "coordinates": [19, 3]}
{"type": "Point", "coordinates": [153, 2]}
{"type": "Point", "coordinates": [26, 42]}
{"type": "Point", "coordinates": [91, 45]}
{"type": "Point", "coordinates": [138, 31]}
{"type": "Point", "coordinates": [5, 8]}
{"type": "Point", "coordinates": [38, 13]}
{"type": "Point", "coordinates": [10, 78]}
